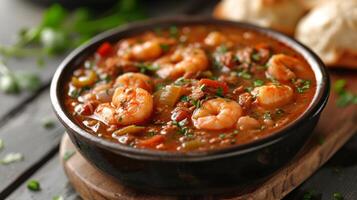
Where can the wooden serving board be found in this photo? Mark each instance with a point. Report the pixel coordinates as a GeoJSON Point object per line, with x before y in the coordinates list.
{"type": "Point", "coordinates": [336, 126]}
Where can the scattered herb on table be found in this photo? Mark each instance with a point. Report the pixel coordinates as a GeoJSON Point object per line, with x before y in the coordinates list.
{"type": "Point", "coordinates": [48, 123]}
{"type": "Point", "coordinates": [337, 196]}
{"type": "Point", "coordinates": [309, 195]}
{"type": "Point", "coordinates": [11, 158]}
{"type": "Point", "coordinates": [14, 82]}
{"type": "Point", "coordinates": [68, 154]}
{"type": "Point", "coordinates": [1, 144]}
{"type": "Point", "coordinates": [60, 31]}
{"type": "Point", "coordinates": [33, 185]}
{"type": "Point", "coordinates": [345, 97]}
{"type": "Point", "coordinates": [57, 198]}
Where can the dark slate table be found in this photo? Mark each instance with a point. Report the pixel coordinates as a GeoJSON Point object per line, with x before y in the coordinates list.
{"type": "Point", "coordinates": [21, 118]}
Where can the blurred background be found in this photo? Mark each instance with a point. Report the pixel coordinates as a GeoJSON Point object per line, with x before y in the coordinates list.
{"type": "Point", "coordinates": [36, 35]}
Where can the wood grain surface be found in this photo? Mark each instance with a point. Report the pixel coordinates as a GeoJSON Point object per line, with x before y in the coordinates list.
{"type": "Point", "coordinates": [336, 126]}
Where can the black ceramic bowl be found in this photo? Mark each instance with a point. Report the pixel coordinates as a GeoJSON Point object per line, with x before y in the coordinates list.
{"type": "Point", "coordinates": [196, 172]}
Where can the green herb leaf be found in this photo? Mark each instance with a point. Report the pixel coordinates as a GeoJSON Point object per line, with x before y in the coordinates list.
{"type": "Point", "coordinates": [305, 85]}
{"type": "Point", "coordinates": [339, 85]}
{"type": "Point", "coordinates": [222, 49]}
{"type": "Point", "coordinates": [33, 185]}
{"type": "Point", "coordinates": [147, 67]}
{"type": "Point", "coordinates": [165, 48]}
{"type": "Point", "coordinates": [68, 154]}
{"type": "Point", "coordinates": [258, 83]}
{"type": "Point", "coordinates": [267, 115]}
{"type": "Point", "coordinates": [245, 75]}
{"type": "Point", "coordinates": [1, 144]}
{"type": "Point", "coordinates": [173, 30]}
{"type": "Point", "coordinates": [8, 84]}
{"type": "Point", "coordinates": [185, 98]}
{"type": "Point", "coordinates": [57, 198]}
{"type": "Point", "coordinates": [222, 136]}
{"type": "Point", "coordinates": [54, 16]}
{"type": "Point", "coordinates": [219, 92]}
{"type": "Point", "coordinates": [256, 57]}
{"type": "Point", "coordinates": [10, 158]}
{"type": "Point", "coordinates": [346, 98]}
{"type": "Point", "coordinates": [48, 123]}
{"type": "Point", "coordinates": [54, 41]}
{"type": "Point", "coordinates": [337, 196]}
{"type": "Point", "coordinates": [196, 103]}
{"type": "Point", "coordinates": [28, 81]}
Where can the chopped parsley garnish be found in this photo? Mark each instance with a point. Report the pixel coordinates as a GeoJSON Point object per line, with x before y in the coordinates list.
{"type": "Point", "coordinates": [196, 103]}
{"type": "Point", "coordinates": [185, 98]}
{"type": "Point", "coordinates": [144, 68]}
{"type": "Point", "coordinates": [245, 75]}
{"type": "Point", "coordinates": [248, 89]}
{"type": "Point", "coordinates": [256, 57]}
{"type": "Point", "coordinates": [258, 83]}
{"type": "Point", "coordinates": [182, 128]}
{"type": "Point", "coordinates": [219, 92]}
{"type": "Point", "coordinates": [267, 115]}
{"type": "Point", "coordinates": [151, 133]}
{"type": "Point", "coordinates": [74, 93]}
{"type": "Point", "coordinates": [33, 185]}
{"type": "Point", "coordinates": [279, 112]}
{"type": "Point", "coordinates": [173, 30]}
{"type": "Point", "coordinates": [68, 154]}
{"type": "Point", "coordinates": [182, 81]}
{"type": "Point", "coordinates": [222, 49]}
{"type": "Point", "coordinates": [165, 47]}
{"type": "Point", "coordinates": [222, 136]}
{"type": "Point", "coordinates": [159, 86]}
{"type": "Point", "coordinates": [304, 86]}
{"type": "Point", "coordinates": [345, 97]}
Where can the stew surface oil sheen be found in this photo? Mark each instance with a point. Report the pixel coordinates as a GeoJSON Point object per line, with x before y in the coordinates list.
{"type": "Point", "coordinates": [190, 88]}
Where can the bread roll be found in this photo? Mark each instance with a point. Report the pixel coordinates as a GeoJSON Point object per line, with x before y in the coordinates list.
{"type": "Point", "coordinates": [330, 29]}
{"type": "Point", "coordinates": [281, 15]}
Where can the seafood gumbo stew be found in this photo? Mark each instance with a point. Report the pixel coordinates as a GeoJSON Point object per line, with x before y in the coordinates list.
{"type": "Point", "coordinates": [190, 88]}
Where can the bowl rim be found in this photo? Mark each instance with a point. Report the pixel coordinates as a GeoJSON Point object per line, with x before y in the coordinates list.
{"type": "Point", "coordinates": [316, 106]}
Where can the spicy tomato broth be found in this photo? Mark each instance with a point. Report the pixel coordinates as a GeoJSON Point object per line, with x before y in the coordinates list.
{"type": "Point", "coordinates": [201, 87]}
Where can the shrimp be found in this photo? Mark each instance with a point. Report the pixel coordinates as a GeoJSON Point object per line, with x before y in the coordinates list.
{"type": "Point", "coordinates": [135, 80]}
{"type": "Point", "coordinates": [184, 62]}
{"type": "Point", "coordinates": [148, 50]}
{"type": "Point", "coordinates": [282, 67]}
{"type": "Point", "coordinates": [215, 39]}
{"type": "Point", "coordinates": [248, 123]}
{"type": "Point", "coordinates": [217, 114]}
{"type": "Point", "coordinates": [129, 106]}
{"type": "Point", "coordinates": [272, 96]}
